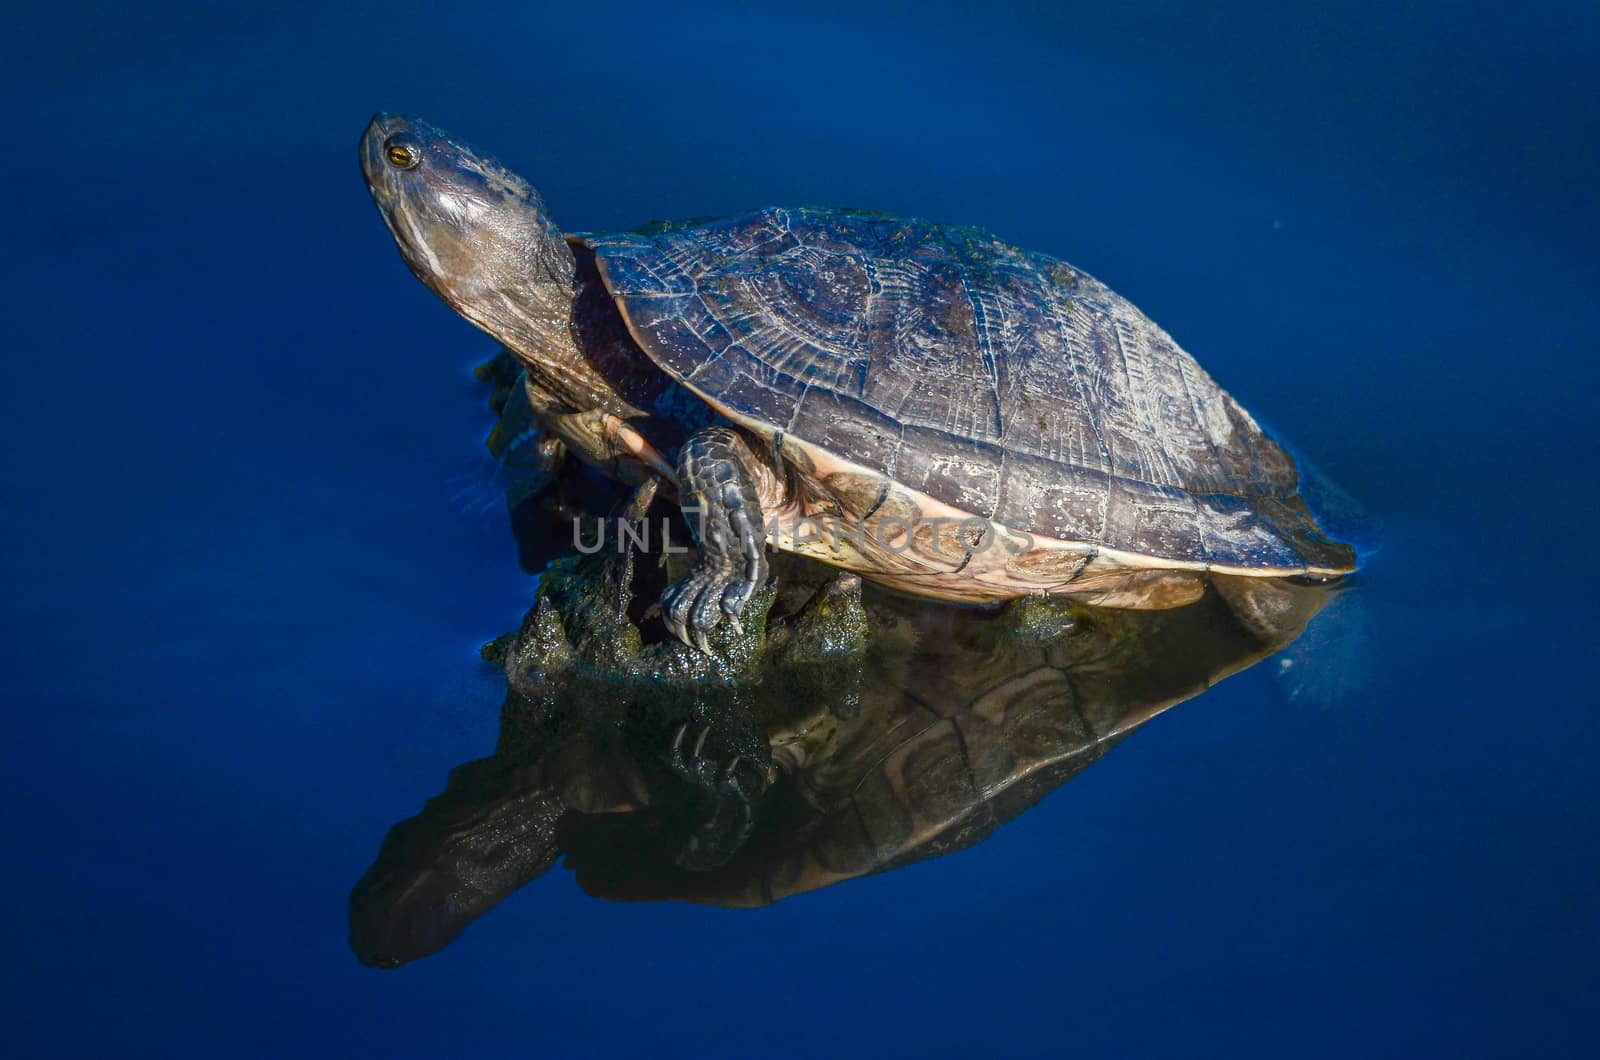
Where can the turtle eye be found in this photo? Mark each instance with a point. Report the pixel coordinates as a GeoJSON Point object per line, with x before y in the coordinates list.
{"type": "Point", "coordinates": [402, 152]}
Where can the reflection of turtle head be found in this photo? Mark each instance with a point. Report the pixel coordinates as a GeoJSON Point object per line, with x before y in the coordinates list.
{"type": "Point", "coordinates": [474, 232]}
{"type": "Point", "coordinates": [483, 838]}
{"type": "Point", "coordinates": [400, 917]}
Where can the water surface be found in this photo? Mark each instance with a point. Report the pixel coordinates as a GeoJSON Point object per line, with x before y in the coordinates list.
{"type": "Point", "coordinates": [251, 551]}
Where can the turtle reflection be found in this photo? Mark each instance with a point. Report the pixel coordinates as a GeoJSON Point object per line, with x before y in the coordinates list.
{"type": "Point", "coordinates": [847, 733]}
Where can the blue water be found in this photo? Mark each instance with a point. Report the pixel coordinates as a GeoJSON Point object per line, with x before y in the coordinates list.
{"type": "Point", "coordinates": [250, 548]}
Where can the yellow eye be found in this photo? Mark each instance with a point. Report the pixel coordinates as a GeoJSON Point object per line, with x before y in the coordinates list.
{"type": "Point", "coordinates": [402, 156]}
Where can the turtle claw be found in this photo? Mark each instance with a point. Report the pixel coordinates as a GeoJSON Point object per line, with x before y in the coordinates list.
{"type": "Point", "coordinates": [702, 600]}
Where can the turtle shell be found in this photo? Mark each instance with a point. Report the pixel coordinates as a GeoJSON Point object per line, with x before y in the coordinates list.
{"type": "Point", "coordinates": [1003, 383]}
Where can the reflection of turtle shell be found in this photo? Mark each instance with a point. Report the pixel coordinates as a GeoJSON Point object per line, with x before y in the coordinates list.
{"type": "Point", "coordinates": [962, 730]}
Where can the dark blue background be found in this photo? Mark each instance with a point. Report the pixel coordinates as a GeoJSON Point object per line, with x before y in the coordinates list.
{"type": "Point", "coordinates": [251, 549]}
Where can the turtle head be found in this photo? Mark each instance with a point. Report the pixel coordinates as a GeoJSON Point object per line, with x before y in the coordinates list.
{"type": "Point", "coordinates": [471, 230]}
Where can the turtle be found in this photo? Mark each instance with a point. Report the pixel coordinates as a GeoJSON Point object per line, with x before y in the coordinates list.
{"type": "Point", "coordinates": [964, 719]}
{"type": "Point", "coordinates": [924, 404]}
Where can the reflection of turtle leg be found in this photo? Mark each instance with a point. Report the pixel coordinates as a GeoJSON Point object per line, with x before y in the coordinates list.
{"type": "Point", "coordinates": [732, 788]}
{"type": "Point", "coordinates": [719, 495]}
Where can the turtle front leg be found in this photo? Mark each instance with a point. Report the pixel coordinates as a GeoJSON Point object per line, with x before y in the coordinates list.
{"type": "Point", "coordinates": [717, 481]}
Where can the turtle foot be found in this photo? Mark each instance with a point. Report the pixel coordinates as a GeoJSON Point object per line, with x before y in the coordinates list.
{"type": "Point", "coordinates": [724, 511]}
{"type": "Point", "coordinates": [697, 603]}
